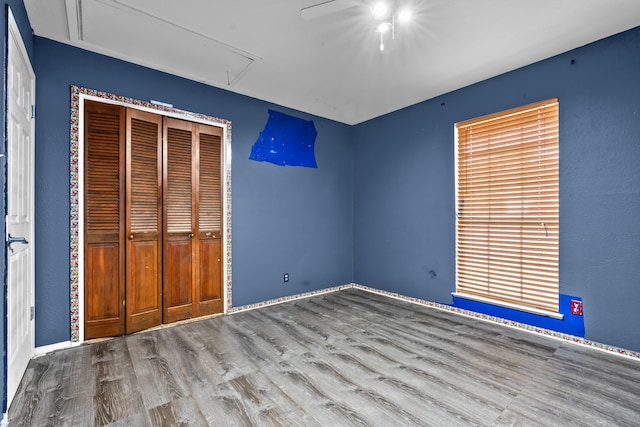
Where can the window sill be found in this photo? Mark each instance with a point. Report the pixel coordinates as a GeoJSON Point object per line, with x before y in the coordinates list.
{"type": "Point", "coordinates": [504, 304]}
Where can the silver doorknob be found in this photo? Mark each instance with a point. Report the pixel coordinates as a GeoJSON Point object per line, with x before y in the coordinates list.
{"type": "Point", "coordinates": [11, 239]}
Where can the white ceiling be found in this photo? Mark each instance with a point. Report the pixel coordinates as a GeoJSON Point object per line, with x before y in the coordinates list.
{"type": "Point", "coordinates": [330, 65]}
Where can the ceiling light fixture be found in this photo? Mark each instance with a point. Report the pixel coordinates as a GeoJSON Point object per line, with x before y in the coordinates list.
{"type": "Point", "coordinates": [404, 15]}
{"type": "Point", "coordinates": [387, 13]}
{"type": "Point", "coordinates": [380, 10]}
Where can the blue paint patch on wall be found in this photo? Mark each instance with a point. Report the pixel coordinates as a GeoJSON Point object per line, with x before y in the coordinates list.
{"type": "Point", "coordinates": [571, 324]}
{"type": "Point", "coordinates": [286, 141]}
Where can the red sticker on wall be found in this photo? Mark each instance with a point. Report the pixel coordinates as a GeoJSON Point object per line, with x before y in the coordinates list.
{"type": "Point", "coordinates": [576, 307]}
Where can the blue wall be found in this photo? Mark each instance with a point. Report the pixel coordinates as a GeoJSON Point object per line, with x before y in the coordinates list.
{"type": "Point", "coordinates": [404, 184]}
{"type": "Point", "coordinates": [285, 219]}
{"type": "Point", "coordinates": [379, 210]}
{"type": "Point", "coordinates": [20, 15]}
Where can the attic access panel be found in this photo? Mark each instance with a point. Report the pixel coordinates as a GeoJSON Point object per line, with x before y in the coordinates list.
{"type": "Point", "coordinates": [151, 40]}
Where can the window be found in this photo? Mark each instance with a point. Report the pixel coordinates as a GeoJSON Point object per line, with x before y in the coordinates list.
{"type": "Point", "coordinates": [507, 207]}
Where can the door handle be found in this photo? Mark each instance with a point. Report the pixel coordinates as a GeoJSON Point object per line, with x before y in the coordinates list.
{"type": "Point", "coordinates": [11, 239]}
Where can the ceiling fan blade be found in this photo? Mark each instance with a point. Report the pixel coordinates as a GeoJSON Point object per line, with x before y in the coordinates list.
{"type": "Point", "coordinates": [326, 8]}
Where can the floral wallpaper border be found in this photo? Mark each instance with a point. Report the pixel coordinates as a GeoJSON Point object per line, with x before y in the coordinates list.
{"type": "Point", "coordinates": [547, 332]}
{"type": "Point", "coordinates": [74, 236]}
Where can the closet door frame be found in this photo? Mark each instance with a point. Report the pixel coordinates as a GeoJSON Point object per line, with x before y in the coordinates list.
{"type": "Point", "coordinates": [77, 255]}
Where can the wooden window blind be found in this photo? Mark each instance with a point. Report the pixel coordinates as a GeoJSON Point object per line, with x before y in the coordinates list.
{"type": "Point", "coordinates": [507, 206]}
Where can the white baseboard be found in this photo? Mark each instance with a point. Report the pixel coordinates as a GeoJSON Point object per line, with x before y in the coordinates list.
{"type": "Point", "coordinates": [39, 351]}
{"type": "Point", "coordinates": [508, 323]}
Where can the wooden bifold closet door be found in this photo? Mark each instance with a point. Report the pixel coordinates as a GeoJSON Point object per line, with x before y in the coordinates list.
{"type": "Point", "coordinates": [153, 220]}
{"type": "Point", "coordinates": [193, 220]}
{"type": "Point", "coordinates": [103, 227]}
{"type": "Point", "coordinates": [143, 220]}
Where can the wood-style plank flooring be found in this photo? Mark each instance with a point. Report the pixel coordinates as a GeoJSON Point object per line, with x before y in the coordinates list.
{"type": "Point", "coordinates": [340, 359]}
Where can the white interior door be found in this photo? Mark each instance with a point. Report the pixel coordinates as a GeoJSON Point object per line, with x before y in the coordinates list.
{"type": "Point", "coordinates": [19, 226]}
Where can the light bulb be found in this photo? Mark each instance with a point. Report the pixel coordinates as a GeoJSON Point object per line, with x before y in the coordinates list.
{"type": "Point", "coordinates": [404, 15]}
{"type": "Point", "coordinates": [380, 10]}
{"type": "Point", "coordinates": [383, 27]}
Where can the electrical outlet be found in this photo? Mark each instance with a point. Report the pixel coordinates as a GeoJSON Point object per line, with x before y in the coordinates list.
{"type": "Point", "coordinates": [576, 307]}
{"type": "Point", "coordinates": [286, 277]}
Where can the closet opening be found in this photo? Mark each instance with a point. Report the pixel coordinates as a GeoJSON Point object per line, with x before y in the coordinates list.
{"type": "Point", "coordinates": [153, 219]}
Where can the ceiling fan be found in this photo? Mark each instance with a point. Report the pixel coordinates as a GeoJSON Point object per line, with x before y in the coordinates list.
{"type": "Point", "coordinates": [385, 12]}
{"type": "Point", "coordinates": [327, 8]}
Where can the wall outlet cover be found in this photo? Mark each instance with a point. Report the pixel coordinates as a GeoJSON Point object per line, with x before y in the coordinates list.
{"type": "Point", "coordinates": [576, 307]}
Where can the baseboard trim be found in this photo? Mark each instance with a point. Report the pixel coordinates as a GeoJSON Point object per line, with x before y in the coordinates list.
{"type": "Point", "coordinates": [572, 339]}
{"type": "Point", "coordinates": [289, 298]}
{"type": "Point", "coordinates": [40, 351]}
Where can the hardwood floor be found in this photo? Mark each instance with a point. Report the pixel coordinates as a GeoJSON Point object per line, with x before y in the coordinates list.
{"type": "Point", "coordinates": [346, 358]}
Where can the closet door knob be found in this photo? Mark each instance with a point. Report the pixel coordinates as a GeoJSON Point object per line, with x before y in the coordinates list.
{"type": "Point", "coordinates": [191, 235]}
{"type": "Point", "coordinates": [130, 236]}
